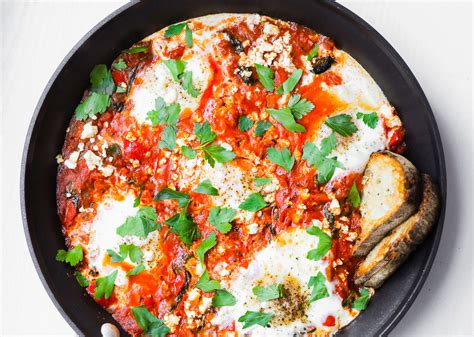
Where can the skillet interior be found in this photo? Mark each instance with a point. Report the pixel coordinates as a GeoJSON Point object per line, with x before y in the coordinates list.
{"type": "Point", "coordinates": [134, 21]}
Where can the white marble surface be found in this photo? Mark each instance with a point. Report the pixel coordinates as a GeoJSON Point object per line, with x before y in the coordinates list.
{"type": "Point", "coordinates": [435, 39]}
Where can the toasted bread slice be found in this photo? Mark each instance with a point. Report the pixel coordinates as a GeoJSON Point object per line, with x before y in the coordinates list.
{"type": "Point", "coordinates": [390, 196]}
{"type": "Point", "coordinates": [392, 251]}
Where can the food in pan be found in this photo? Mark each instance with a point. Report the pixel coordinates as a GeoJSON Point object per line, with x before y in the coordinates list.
{"type": "Point", "coordinates": [228, 175]}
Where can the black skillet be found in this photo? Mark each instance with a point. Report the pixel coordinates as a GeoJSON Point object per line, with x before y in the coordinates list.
{"type": "Point", "coordinates": [136, 20]}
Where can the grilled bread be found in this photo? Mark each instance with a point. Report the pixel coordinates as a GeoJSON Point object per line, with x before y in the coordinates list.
{"type": "Point", "coordinates": [390, 196]}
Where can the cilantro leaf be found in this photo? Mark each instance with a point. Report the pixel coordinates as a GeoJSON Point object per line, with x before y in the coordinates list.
{"type": "Point", "coordinates": [361, 302]}
{"type": "Point", "coordinates": [217, 153]}
{"type": "Point", "coordinates": [204, 133]}
{"type": "Point", "coordinates": [290, 82]}
{"type": "Point", "coordinates": [174, 30]}
{"type": "Point", "coordinates": [319, 287]}
{"type": "Point", "coordinates": [73, 256]}
{"type": "Point", "coordinates": [141, 224]}
{"type": "Point", "coordinates": [313, 52]}
{"type": "Point", "coordinates": [342, 124]}
{"type": "Point", "coordinates": [328, 144]}
{"type": "Point", "coordinates": [262, 181]}
{"type": "Point", "coordinates": [271, 292]}
{"type": "Point", "coordinates": [354, 196]}
{"type": "Point", "coordinates": [187, 82]}
{"type": "Point", "coordinates": [205, 187]}
{"type": "Point", "coordinates": [182, 224]}
{"type": "Point", "coordinates": [253, 203]}
{"type": "Point", "coordinates": [120, 64]}
{"type": "Point", "coordinates": [188, 152]}
{"type": "Point", "coordinates": [261, 128]}
{"type": "Point", "coordinates": [245, 123]}
{"type": "Point", "coordinates": [324, 243]}
{"type": "Point", "coordinates": [299, 106]}
{"type": "Point", "coordinates": [223, 298]}
{"type": "Point", "coordinates": [164, 114]}
{"type": "Point", "coordinates": [169, 194]}
{"type": "Point", "coordinates": [206, 284]}
{"type": "Point", "coordinates": [83, 282]}
{"type": "Point", "coordinates": [265, 76]}
{"type": "Point", "coordinates": [114, 257]}
{"type": "Point", "coordinates": [101, 80]}
{"type": "Point", "coordinates": [168, 138]}
{"type": "Point", "coordinates": [176, 68]}
{"type": "Point", "coordinates": [286, 118]}
{"type": "Point", "coordinates": [282, 158]}
{"type": "Point", "coordinates": [255, 318]}
{"type": "Point", "coordinates": [370, 119]}
{"type": "Point", "coordinates": [221, 218]}
{"type": "Point", "coordinates": [205, 245]}
{"type": "Point", "coordinates": [151, 325]}
{"type": "Point", "coordinates": [105, 285]}
{"type": "Point", "coordinates": [136, 50]}
{"type": "Point", "coordinates": [130, 250]}
{"type": "Point", "coordinates": [93, 104]}
{"type": "Point", "coordinates": [188, 37]}
{"type": "Point", "coordinates": [326, 166]}
{"type": "Point", "coordinates": [136, 270]}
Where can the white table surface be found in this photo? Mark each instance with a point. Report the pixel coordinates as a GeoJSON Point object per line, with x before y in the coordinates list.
{"type": "Point", "coordinates": [435, 39]}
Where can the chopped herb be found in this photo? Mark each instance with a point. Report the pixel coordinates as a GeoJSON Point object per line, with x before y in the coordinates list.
{"type": "Point", "coordinates": [205, 245]}
{"type": "Point", "coordinates": [133, 252]}
{"type": "Point", "coordinates": [136, 201]}
{"type": "Point", "coordinates": [285, 117]}
{"type": "Point", "coordinates": [176, 68]}
{"type": "Point", "coordinates": [151, 325]}
{"type": "Point", "coordinates": [324, 243]}
{"type": "Point", "coordinates": [326, 166]}
{"type": "Point", "coordinates": [253, 203]}
{"type": "Point", "coordinates": [120, 65]}
{"type": "Point", "coordinates": [187, 83]}
{"type": "Point", "coordinates": [105, 285]}
{"type": "Point", "coordinates": [168, 138]}
{"type": "Point", "coordinates": [319, 287]}
{"type": "Point", "coordinates": [206, 284]}
{"type": "Point", "coordinates": [73, 256]}
{"type": "Point", "coordinates": [283, 157]}
{"type": "Point", "coordinates": [262, 181]}
{"type": "Point", "coordinates": [93, 104]}
{"type": "Point", "coordinates": [213, 153]}
{"type": "Point", "coordinates": [136, 50]}
{"type": "Point", "coordinates": [328, 144]}
{"type": "Point", "coordinates": [271, 292]}
{"type": "Point", "coordinates": [101, 80]}
{"type": "Point", "coordinates": [245, 123]}
{"type": "Point", "coordinates": [354, 196]}
{"type": "Point", "coordinates": [141, 224]}
{"type": "Point", "coordinates": [174, 30]}
{"type": "Point", "coordinates": [205, 187]}
{"type": "Point", "coordinates": [223, 298]}
{"type": "Point", "coordinates": [342, 124]}
{"type": "Point", "coordinates": [370, 119]}
{"type": "Point", "coordinates": [182, 224]}
{"type": "Point", "coordinates": [164, 114]}
{"type": "Point", "coordinates": [136, 270]}
{"type": "Point", "coordinates": [169, 194]}
{"type": "Point", "coordinates": [313, 52]}
{"type": "Point", "coordinates": [290, 83]}
{"type": "Point", "coordinates": [255, 318]}
{"type": "Point", "coordinates": [261, 128]}
{"type": "Point", "coordinates": [265, 76]}
{"type": "Point", "coordinates": [188, 152]}
{"type": "Point", "coordinates": [188, 37]}
{"type": "Point", "coordinates": [83, 282]}
{"type": "Point", "coordinates": [204, 133]}
{"type": "Point", "coordinates": [360, 303]}
{"type": "Point", "coordinates": [221, 217]}
{"type": "Point", "coordinates": [299, 106]}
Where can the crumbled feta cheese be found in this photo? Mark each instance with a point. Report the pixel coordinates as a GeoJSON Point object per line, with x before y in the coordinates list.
{"type": "Point", "coordinates": [226, 146]}
{"type": "Point", "coordinates": [270, 29]}
{"type": "Point", "coordinates": [59, 159]}
{"type": "Point", "coordinates": [107, 171]}
{"type": "Point", "coordinates": [109, 330]}
{"type": "Point", "coordinates": [252, 228]}
{"type": "Point", "coordinates": [71, 162]}
{"type": "Point", "coordinates": [206, 304]}
{"type": "Point", "coordinates": [89, 131]}
{"type": "Point", "coordinates": [334, 207]}
{"type": "Point", "coordinates": [92, 160]}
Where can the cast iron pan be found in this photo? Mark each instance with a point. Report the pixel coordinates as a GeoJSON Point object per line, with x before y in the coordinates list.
{"type": "Point", "coordinates": [136, 20]}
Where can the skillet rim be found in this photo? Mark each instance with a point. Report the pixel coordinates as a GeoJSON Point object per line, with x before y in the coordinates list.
{"type": "Point", "coordinates": [373, 36]}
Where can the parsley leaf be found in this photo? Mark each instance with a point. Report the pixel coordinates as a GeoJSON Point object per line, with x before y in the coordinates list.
{"type": "Point", "coordinates": [73, 257]}
{"type": "Point", "coordinates": [262, 181]}
{"type": "Point", "coordinates": [290, 82]}
{"type": "Point", "coordinates": [101, 80]}
{"type": "Point", "coordinates": [204, 133]}
{"type": "Point", "coordinates": [354, 196]}
{"type": "Point", "coordinates": [299, 106]}
{"type": "Point", "coordinates": [136, 201]}
{"type": "Point", "coordinates": [313, 52]}
{"type": "Point", "coordinates": [164, 114]}
{"type": "Point", "coordinates": [214, 153]}
{"type": "Point", "coordinates": [326, 166]}
{"type": "Point", "coordinates": [205, 245]}
{"type": "Point", "coordinates": [255, 318]}
{"type": "Point", "coordinates": [286, 118]}
{"type": "Point", "coordinates": [136, 270]}
{"type": "Point", "coordinates": [141, 224]}
{"type": "Point", "coordinates": [361, 302]}
{"type": "Point", "coordinates": [370, 119]}
{"type": "Point", "coordinates": [319, 287]}
{"type": "Point", "coordinates": [187, 82]}
{"type": "Point", "coordinates": [168, 138]}
{"type": "Point", "coordinates": [245, 123]}
{"type": "Point", "coordinates": [188, 152]}
{"type": "Point", "coordinates": [93, 104]}
{"type": "Point", "coordinates": [342, 124]}
{"type": "Point", "coordinates": [188, 37]}
{"type": "Point", "coordinates": [120, 64]}
{"type": "Point", "coordinates": [205, 187]}
{"type": "Point", "coordinates": [169, 194]}
{"type": "Point", "coordinates": [283, 157]}
{"type": "Point", "coordinates": [176, 68]}
{"type": "Point", "coordinates": [130, 250]}
{"type": "Point", "coordinates": [221, 218]}
{"type": "Point", "coordinates": [174, 30]}
{"type": "Point", "coordinates": [182, 224]}
{"type": "Point", "coordinates": [261, 128]}
{"type": "Point", "coordinates": [105, 285]}
{"type": "Point", "coordinates": [253, 203]}
{"type": "Point", "coordinates": [206, 284]}
{"type": "Point", "coordinates": [136, 50]}
{"type": "Point", "coordinates": [223, 298]}
{"type": "Point", "coordinates": [271, 292]}
{"type": "Point", "coordinates": [151, 325]}
{"type": "Point", "coordinates": [265, 76]}
{"type": "Point", "coordinates": [83, 282]}
{"type": "Point", "coordinates": [114, 257]}
{"type": "Point", "coordinates": [324, 243]}
{"type": "Point", "coordinates": [328, 144]}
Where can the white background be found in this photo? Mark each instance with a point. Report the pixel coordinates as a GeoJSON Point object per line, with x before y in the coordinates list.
{"type": "Point", "coordinates": [435, 39]}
